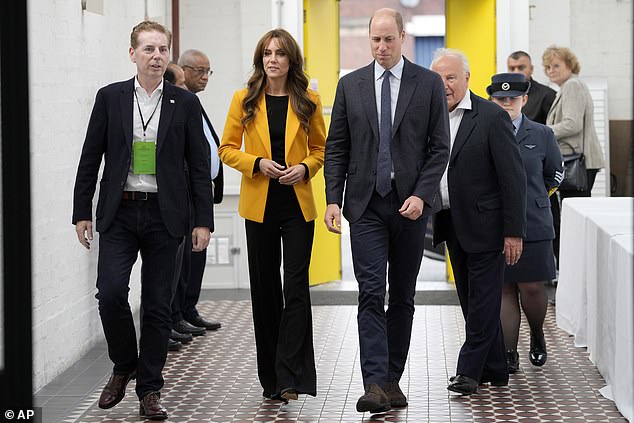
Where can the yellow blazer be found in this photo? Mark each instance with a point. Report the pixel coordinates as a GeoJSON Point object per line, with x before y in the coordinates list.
{"type": "Point", "coordinates": [299, 148]}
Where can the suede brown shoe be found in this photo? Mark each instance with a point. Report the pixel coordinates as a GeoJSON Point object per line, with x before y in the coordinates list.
{"type": "Point", "coordinates": [396, 396]}
{"type": "Point", "coordinates": [114, 391]}
{"type": "Point", "coordinates": [151, 408]}
{"type": "Point", "coordinates": [374, 400]}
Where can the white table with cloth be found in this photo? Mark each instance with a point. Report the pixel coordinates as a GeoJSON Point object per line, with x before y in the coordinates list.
{"type": "Point", "coordinates": [595, 295]}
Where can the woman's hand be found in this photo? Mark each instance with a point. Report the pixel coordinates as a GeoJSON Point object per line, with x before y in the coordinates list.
{"type": "Point", "coordinates": [293, 175]}
{"type": "Point", "coordinates": [271, 169]}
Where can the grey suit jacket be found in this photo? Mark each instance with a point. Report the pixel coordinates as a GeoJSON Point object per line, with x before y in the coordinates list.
{"type": "Point", "coordinates": [571, 118]}
{"type": "Point", "coordinates": [419, 145]}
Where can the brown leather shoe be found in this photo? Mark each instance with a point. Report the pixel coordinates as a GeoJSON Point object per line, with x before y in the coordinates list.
{"type": "Point", "coordinates": [114, 391]}
{"type": "Point", "coordinates": [396, 396]}
{"type": "Point", "coordinates": [374, 400]}
{"type": "Point", "coordinates": [151, 408]}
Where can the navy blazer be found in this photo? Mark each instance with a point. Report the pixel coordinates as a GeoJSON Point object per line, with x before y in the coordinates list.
{"type": "Point", "coordinates": [544, 170]}
{"type": "Point", "coordinates": [487, 181]}
{"type": "Point", "coordinates": [180, 140]}
{"type": "Point", "coordinates": [419, 145]}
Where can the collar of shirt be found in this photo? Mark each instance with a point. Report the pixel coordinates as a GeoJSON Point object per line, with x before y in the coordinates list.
{"type": "Point", "coordinates": [465, 104]}
{"type": "Point", "coordinates": [517, 122]}
{"type": "Point", "coordinates": [141, 91]}
{"type": "Point", "coordinates": [397, 69]}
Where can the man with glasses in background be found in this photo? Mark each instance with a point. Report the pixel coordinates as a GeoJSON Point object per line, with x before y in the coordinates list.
{"type": "Point", "coordinates": [185, 317]}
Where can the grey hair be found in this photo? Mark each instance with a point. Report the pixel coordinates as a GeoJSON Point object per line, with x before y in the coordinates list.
{"type": "Point", "coordinates": [442, 52]}
{"type": "Point", "coordinates": [186, 58]}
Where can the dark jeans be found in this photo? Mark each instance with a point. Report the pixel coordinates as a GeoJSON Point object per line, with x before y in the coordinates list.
{"type": "Point", "coordinates": [379, 237]}
{"type": "Point", "coordinates": [137, 226]}
{"type": "Point", "coordinates": [282, 315]}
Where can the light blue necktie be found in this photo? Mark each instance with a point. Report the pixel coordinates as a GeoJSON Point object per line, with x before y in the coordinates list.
{"type": "Point", "coordinates": [384, 159]}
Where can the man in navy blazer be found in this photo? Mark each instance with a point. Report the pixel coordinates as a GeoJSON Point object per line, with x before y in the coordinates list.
{"type": "Point", "coordinates": [483, 219]}
{"type": "Point", "coordinates": [144, 129]}
{"type": "Point", "coordinates": [388, 144]}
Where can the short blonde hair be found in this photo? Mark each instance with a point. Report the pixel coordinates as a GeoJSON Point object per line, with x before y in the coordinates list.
{"type": "Point", "coordinates": [149, 26]}
{"type": "Point", "coordinates": [564, 54]}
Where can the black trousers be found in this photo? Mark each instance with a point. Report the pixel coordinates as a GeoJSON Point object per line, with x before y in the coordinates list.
{"type": "Point", "coordinates": [379, 237]}
{"type": "Point", "coordinates": [189, 282]}
{"type": "Point", "coordinates": [137, 227]}
{"type": "Point", "coordinates": [479, 278]}
{"type": "Point", "coordinates": [282, 315]}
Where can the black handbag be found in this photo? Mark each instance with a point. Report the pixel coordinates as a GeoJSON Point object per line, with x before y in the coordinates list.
{"type": "Point", "coordinates": [575, 173]}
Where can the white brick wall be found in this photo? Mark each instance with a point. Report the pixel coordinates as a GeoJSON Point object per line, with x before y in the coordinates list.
{"type": "Point", "coordinates": [71, 55]}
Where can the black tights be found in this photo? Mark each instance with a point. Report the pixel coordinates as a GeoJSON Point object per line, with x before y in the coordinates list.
{"type": "Point", "coordinates": [534, 300]}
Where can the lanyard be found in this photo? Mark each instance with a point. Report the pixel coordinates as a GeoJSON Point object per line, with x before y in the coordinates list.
{"type": "Point", "coordinates": [143, 123]}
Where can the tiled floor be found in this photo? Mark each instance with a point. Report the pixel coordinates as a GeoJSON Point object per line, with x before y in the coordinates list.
{"type": "Point", "coordinates": [214, 379]}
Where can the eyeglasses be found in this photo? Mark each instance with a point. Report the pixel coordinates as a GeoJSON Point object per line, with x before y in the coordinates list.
{"type": "Point", "coordinates": [200, 71]}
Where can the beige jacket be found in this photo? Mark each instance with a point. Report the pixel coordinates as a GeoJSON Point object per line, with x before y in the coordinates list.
{"type": "Point", "coordinates": [571, 118]}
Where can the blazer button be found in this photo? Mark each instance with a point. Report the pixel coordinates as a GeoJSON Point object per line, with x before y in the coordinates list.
{"type": "Point", "coordinates": [374, 172]}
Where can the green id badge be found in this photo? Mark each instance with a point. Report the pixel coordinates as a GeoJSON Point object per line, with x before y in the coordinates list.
{"type": "Point", "coordinates": [145, 158]}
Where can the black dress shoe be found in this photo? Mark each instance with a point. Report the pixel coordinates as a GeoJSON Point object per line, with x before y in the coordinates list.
{"type": "Point", "coordinates": [374, 400]}
{"type": "Point", "coordinates": [492, 380]}
{"type": "Point", "coordinates": [463, 385]}
{"type": "Point", "coordinates": [513, 361]}
{"type": "Point", "coordinates": [184, 327]}
{"type": "Point", "coordinates": [183, 338]}
{"type": "Point", "coordinates": [114, 391]}
{"type": "Point", "coordinates": [173, 345]}
{"type": "Point", "coordinates": [201, 322]}
{"type": "Point", "coordinates": [150, 407]}
{"type": "Point", "coordinates": [538, 354]}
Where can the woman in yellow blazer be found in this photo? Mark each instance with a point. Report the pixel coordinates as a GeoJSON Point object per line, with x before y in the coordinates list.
{"type": "Point", "coordinates": [284, 135]}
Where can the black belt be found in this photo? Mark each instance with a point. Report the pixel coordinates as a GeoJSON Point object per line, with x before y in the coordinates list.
{"type": "Point", "coordinates": [138, 195]}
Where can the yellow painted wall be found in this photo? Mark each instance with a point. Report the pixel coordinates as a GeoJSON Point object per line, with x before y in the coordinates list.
{"type": "Point", "coordinates": [321, 54]}
{"type": "Point", "coordinates": [471, 28]}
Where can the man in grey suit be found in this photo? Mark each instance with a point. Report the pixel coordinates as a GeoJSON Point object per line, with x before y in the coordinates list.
{"type": "Point", "coordinates": [388, 144]}
{"type": "Point", "coordinates": [483, 219]}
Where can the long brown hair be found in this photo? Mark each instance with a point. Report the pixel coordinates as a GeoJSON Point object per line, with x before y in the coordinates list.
{"type": "Point", "coordinates": [296, 81]}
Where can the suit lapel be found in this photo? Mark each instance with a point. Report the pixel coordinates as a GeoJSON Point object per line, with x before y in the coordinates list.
{"type": "Point", "coordinates": [168, 106]}
{"type": "Point", "coordinates": [261, 122]}
{"type": "Point", "coordinates": [368, 98]}
{"type": "Point", "coordinates": [466, 127]}
{"type": "Point", "coordinates": [405, 92]}
{"type": "Point", "coordinates": [126, 104]}
{"type": "Point", "coordinates": [292, 125]}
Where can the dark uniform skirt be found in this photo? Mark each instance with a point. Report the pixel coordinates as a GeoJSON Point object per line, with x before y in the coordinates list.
{"type": "Point", "coordinates": [537, 263]}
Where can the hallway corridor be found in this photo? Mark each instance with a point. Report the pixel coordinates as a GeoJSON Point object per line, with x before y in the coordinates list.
{"type": "Point", "coordinates": [214, 378]}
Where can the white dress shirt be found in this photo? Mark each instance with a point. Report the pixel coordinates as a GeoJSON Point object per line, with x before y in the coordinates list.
{"type": "Point", "coordinates": [395, 86]}
{"type": "Point", "coordinates": [215, 159]}
{"type": "Point", "coordinates": [147, 103]}
{"type": "Point", "coordinates": [455, 117]}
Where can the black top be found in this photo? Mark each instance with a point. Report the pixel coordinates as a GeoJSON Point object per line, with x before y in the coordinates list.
{"type": "Point", "coordinates": [540, 98]}
{"type": "Point", "coordinates": [276, 110]}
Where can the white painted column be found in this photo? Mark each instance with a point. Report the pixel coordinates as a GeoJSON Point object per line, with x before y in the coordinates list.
{"type": "Point", "coordinates": [512, 29]}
